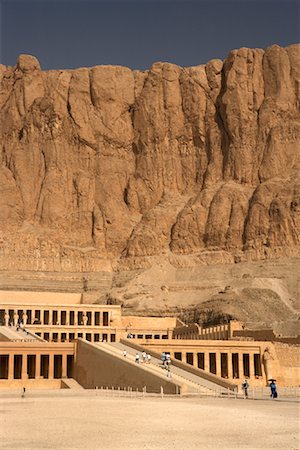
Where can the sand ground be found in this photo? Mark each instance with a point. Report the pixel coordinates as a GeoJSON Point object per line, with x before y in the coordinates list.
{"type": "Point", "coordinates": [147, 423]}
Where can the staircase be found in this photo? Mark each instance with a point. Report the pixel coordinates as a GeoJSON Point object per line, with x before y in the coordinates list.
{"type": "Point", "coordinates": [189, 383]}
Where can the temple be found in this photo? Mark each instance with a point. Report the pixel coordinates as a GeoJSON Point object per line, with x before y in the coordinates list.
{"type": "Point", "coordinates": [54, 340]}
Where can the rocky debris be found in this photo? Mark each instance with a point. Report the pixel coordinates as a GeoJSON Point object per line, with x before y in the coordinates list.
{"type": "Point", "coordinates": [103, 168]}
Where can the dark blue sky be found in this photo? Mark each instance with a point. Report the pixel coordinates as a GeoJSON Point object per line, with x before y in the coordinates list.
{"type": "Point", "coordinates": [74, 33]}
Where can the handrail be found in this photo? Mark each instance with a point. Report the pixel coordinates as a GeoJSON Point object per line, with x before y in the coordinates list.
{"type": "Point", "coordinates": [175, 362]}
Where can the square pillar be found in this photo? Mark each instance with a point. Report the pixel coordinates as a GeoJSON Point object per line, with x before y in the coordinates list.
{"type": "Point", "coordinates": [24, 367]}
{"type": "Point", "coordinates": [92, 318]}
{"type": "Point", "coordinates": [51, 366]}
{"type": "Point", "coordinates": [64, 366]}
{"type": "Point", "coordinates": [241, 365]}
{"type": "Point", "coordinates": [75, 317]}
{"type": "Point", "coordinates": [11, 366]}
{"type": "Point", "coordinates": [67, 317]}
{"type": "Point", "coordinates": [206, 361]}
{"type": "Point", "coordinates": [230, 373]}
{"type": "Point", "coordinates": [38, 366]}
{"type": "Point", "coordinates": [218, 364]}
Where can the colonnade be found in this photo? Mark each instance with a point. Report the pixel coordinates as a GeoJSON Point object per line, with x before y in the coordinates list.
{"type": "Point", "coordinates": [35, 365]}
{"type": "Point", "coordinates": [57, 316]}
{"type": "Point", "coordinates": [224, 364]}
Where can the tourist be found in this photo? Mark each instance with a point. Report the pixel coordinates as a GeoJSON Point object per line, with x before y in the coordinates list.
{"type": "Point", "coordinates": [137, 358]}
{"type": "Point", "coordinates": [163, 358]}
{"type": "Point", "coordinates": [245, 387]}
{"type": "Point", "coordinates": [144, 356]}
{"type": "Point", "coordinates": [273, 388]}
{"type": "Point", "coordinates": [148, 358]}
{"type": "Point", "coordinates": [169, 375]}
{"type": "Point", "coordinates": [124, 353]}
{"type": "Point", "coordinates": [23, 392]}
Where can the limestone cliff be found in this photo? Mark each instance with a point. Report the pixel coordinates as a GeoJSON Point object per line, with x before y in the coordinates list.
{"type": "Point", "coordinates": [106, 167]}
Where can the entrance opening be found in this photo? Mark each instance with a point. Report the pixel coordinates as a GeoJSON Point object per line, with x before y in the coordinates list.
{"type": "Point", "coordinates": [72, 317]}
{"type": "Point", "coordinates": [63, 337]}
{"type": "Point", "coordinates": [190, 358]}
{"type": "Point", "coordinates": [45, 366]}
{"type": "Point", "coordinates": [55, 337]}
{"type": "Point", "coordinates": [89, 316]}
{"type": "Point", "coordinates": [235, 365]}
{"type": "Point", "coordinates": [11, 315]}
{"type": "Point", "coordinates": [80, 318]}
{"type": "Point", "coordinates": [37, 317]}
{"type": "Point", "coordinates": [178, 355]}
{"type": "Point", "coordinates": [46, 317]}
{"type": "Point", "coordinates": [17, 367]}
{"type": "Point", "coordinates": [257, 365]}
{"type": "Point", "coordinates": [112, 338]}
{"type": "Point", "coordinates": [55, 317]}
{"type": "Point", "coordinates": [246, 365]}
{"type": "Point", "coordinates": [212, 363]}
{"type": "Point", "coordinates": [29, 316]}
{"type": "Point", "coordinates": [31, 362]}
{"type": "Point", "coordinates": [97, 318]}
{"type": "Point", "coordinates": [57, 366]}
{"type": "Point", "coordinates": [70, 362]}
{"type": "Point", "coordinates": [104, 337]}
{"type": "Point", "coordinates": [200, 357]}
{"type": "Point", "coordinates": [96, 337]}
{"type": "Point", "coordinates": [63, 317]}
{"type": "Point", "coordinates": [46, 336]}
{"type": "Point", "coordinates": [105, 319]}
{"type": "Point", "coordinates": [20, 314]}
{"type": "Point", "coordinates": [2, 313]}
{"type": "Point", "coordinates": [88, 337]}
{"type": "Point", "coordinates": [71, 337]}
{"type": "Point", "coordinates": [224, 365]}
{"type": "Point", "coordinates": [3, 367]}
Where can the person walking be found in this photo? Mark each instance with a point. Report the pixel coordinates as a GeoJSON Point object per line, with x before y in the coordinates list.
{"type": "Point", "coordinates": [148, 358]}
{"type": "Point", "coordinates": [163, 358]}
{"type": "Point", "coordinates": [273, 388]}
{"type": "Point", "coordinates": [137, 358]}
{"type": "Point", "coordinates": [144, 356]}
{"type": "Point", "coordinates": [245, 387]}
{"type": "Point", "coordinates": [124, 353]}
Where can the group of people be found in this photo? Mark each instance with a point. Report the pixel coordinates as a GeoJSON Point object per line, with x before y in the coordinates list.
{"type": "Point", "coordinates": [272, 385]}
{"type": "Point", "coordinates": [146, 357]}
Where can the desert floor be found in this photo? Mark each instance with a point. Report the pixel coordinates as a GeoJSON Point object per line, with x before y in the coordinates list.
{"type": "Point", "coordinates": [91, 422]}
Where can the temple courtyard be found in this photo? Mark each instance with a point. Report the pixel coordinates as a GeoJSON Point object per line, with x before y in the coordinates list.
{"type": "Point", "coordinates": [64, 420]}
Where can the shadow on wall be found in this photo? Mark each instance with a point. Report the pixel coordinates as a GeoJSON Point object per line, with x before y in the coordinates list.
{"type": "Point", "coordinates": [94, 367]}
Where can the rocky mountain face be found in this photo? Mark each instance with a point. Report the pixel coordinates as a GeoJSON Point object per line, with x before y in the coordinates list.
{"type": "Point", "coordinates": [107, 168]}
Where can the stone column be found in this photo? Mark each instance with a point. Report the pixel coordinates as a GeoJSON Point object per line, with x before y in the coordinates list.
{"type": "Point", "coordinates": [241, 366]}
{"type": "Point", "coordinates": [229, 360]}
{"type": "Point", "coordinates": [92, 318]}
{"type": "Point", "coordinates": [51, 366]}
{"type": "Point", "coordinates": [206, 361]}
{"type": "Point", "coordinates": [38, 366]}
{"type": "Point", "coordinates": [24, 317]}
{"type": "Point", "coordinates": [218, 364]}
{"type": "Point", "coordinates": [6, 317]}
{"type": "Point", "coordinates": [67, 317]}
{"type": "Point", "coordinates": [84, 318]}
{"type": "Point", "coordinates": [24, 367]}
{"type": "Point", "coordinates": [75, 317]}
{"type": "Point", "coordinates": [11, 366]}
{"type": "Point", "coordinates": [16, 317]}
{"type": "Point", "coordinates": [64, 366]}
{"type": "Point", "coordinates": [101, 318]}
